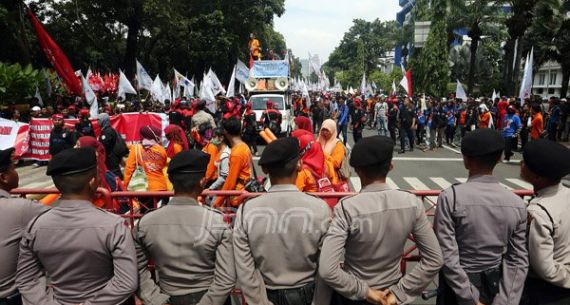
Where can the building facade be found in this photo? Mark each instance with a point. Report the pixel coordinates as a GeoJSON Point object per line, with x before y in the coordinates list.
{"type": "Point", "coordinates": [548, 80]}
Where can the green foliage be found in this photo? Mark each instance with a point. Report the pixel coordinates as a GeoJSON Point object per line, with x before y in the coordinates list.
{"type": "Point", "coordinates": [430, 69]}
{"type": "Point", "coordinates": [384, 80]}
{"type": "Point", "coordinates": [17, 83]}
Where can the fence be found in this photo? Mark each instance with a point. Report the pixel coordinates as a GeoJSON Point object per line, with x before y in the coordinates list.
{"type": "Point", "coordinates": [116, 201]}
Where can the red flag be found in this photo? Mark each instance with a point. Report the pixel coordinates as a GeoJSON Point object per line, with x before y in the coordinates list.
{"type": "Point", "coordinates": [57, 58]}
{"type": "Point", "coordinates": [410, 87]}
{"type": "Point", "coordinates": [250, 61]}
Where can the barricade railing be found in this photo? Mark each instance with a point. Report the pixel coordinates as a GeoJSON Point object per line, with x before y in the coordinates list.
{"type": "Point", "coordinates": [114, 200]}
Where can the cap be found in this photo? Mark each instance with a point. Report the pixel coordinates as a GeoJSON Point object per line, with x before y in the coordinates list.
{"type": "Point", "coordinates": [6, 158]}
{"type": "Point", "coordinates": [371, 151]}
{"type": "Point", "coordinates": [280, 151]}
{"type": "Point", "coordinates": [189, 162]}
{"type": "Point", "coordinates": [547, 158]}
{"type": "Point", "coordinates": [482, 142]}
{"type": "Point", "coordinates": [36, 108]}
{"type": "Point", "coordinates": [72, 161]}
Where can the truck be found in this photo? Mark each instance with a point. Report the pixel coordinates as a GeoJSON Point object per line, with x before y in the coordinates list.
{"type": "Point", "coordinates": [269, 81]}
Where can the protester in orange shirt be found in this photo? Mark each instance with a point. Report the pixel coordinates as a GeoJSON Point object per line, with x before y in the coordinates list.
{"type": "Point", "coordinates": [177, 140]}
{"type": "Point", "coordinates": [537, 123]}
{"type": "Point", "coordinates": [254, 47]}
{"type": "Point", "coordinates": [485, 117]}
{"type": "Point", "coordinates": [333, 150]}
{"type": "Point", "coordinates": [240, 162]}
{"type": "Point", "coordinates": [212, 169]}
{"type": "Point", "coordinates": [151, 156]}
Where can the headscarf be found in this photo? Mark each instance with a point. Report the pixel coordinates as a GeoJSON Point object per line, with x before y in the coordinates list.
{"type": "Point", "coordinates": [328, 145]}
{"type": "Point", "coordinates": [248, 108]}
{"type": "Point", "coordinates": [150, 136]}
{"type": "Point", "coordinates": [171, 131]}
{"type": "Point", "coordinates": [104, 120]}
{"type": "Point", "coordinates": [269, 104]}
{"type": "Point", "coordinates": [101, 157]}
{"type": "Point", "coordinates": [304, 122]}
{"type": "Point", "coordinates": [312, 153]}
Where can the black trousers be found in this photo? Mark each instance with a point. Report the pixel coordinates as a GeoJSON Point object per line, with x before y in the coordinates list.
{"type": "Point", "coordinates": [449, 134]}
{"type": "Point", "coordinates": [295, 296]}
{"type": "Point", "coordinates": [406, 132]}
{"type": "Point", "coordinates": [12, 300]}
{"type": "Point", "coordinates": [338, 299]}
{"type": "Point", "coordinates": [539, 292]}
{"type": "Point", "coordinates": [486, 282]}
{"type": "Point", "coordinates": [392, 130]}
{"type": "Point", "coordinates": [357, 135]}
{"type": "Point", "coordinates": [189, 299]}
{"type": "Point", "coordinates": [510, 143]}
{"type": "Point", "coordinates": [524, 137]}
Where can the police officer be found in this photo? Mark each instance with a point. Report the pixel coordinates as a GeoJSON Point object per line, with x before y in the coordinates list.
{"type": "Point", "coordinates": [86, 254]}
{"type": "Point", "coordinates": [277, 236]}
{"type": "Point", "coordinates": [372, 228]}
{"type": "Point", "coordinates": [481, 228]}
{"type": "Point", "coordinates": [14, 216]}
{"type": "Point", "coordinates": [544, 164]}
{"type": "Point", "coordinates": [60, 137]}
{"type": "Point", "coordinates": [190, 244]}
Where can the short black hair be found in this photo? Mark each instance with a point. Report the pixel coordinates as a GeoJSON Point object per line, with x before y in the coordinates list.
{"type": "Point", "coordinates": [536, 108]}
{"type": "Point", "coordinates": [232, 126]}
{"type": "Point", "coordinates": [185, 182]}
{"type": "Point", "coordinates": [282, 170]}
{"type": "Point", "coordinates": [74, 184]}
{"type": "Point", "coordinates": [218, 132]}
{"type": "Point", "coordinates": [488, 161]}
{"type": "Point", "coordinates": [375, 171]}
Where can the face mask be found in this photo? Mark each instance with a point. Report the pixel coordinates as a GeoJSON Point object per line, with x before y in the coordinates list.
{"type": "Point", "coordinates": [216, 141]}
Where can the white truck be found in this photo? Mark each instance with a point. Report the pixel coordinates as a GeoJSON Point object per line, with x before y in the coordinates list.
{"type": "Point", "coordinates": [269, 81]}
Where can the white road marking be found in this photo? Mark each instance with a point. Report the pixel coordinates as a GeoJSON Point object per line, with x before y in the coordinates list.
{"type": "Point", "coordinates": [452, 149]}
{"type": "Point", "coordinates": [356, 185]}
{"type": "Point", "coordinates": [38, 185]}
{"type": "Point", "coordinates": [391, 183]}
{"type": "Point", "coordinates": [461, 180]}
{"type": "Point", "coordinates": [506, 186]}
{"type": "Point", "coordinates": [415, 183]}
{"type": "Point", "coordinates": [519, 182]}
{"type": "Point", "coordinates": [441, 182]}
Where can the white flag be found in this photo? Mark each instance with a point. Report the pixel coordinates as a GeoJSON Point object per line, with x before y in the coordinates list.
{"type": "Point", "coordinates": [124, 86]}
{"type": "Point", "coordinates": [305, 90]}
{"type": "Point", "coordinates": [495, 95]}
{"type": "Point", "coordinates": [232, 84]}
{"type": "Point", "coordinates": [460, 92]}
{"type": "Point", "coordinates": [404, 82]}
{"type": "Point", "coordinates": [90, 97]}
{"type": "Point", "coordinates": [144, 80]}
{"type": "Point", "coordinates": [242, 72]}
{"type": "Point", "coordinates": [526, 84]}
{"type": "Point", "coordinates": [166, 93]}
{"type": "Point", "coordinates": [217, 86]}
{"type": "Point", "coordinates": [394, 89]}
{"type": "Point", "coordinates": [207, 93]}
{"type": "Point", "coordinates": [39, 97]}
{"type": "Point", "coordinates": [363, 87]}
{"type": "Point", "coordinates": [157, 90]}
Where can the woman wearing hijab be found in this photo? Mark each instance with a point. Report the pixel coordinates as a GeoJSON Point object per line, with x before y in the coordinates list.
{"type": "Point", "coordinates": [250, 129]}
{"type": "Point", "coordinates": [333, 150]}
{"type": "Point", "coordinates": [304, 123]}
{"type": "Point", "coordinates": [177, 140]}
{"type": "Point", "coordinates": [313, 158]}
{"type": "Point", "coordinates": [152, 157]}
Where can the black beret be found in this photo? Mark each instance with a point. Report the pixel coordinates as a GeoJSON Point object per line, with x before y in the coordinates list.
{"type": "Point", "coordinates": [482, 142]}
{"type": "Point", "coordinates": [6, 158]}
{"type": "Point", "coordinates": [72, 161]}
{"type": "Point", "coordinates": [280, 151]}
{"type": "Point", "coordinates": [189, 162]}
{"type": "Point", "coordinates": [547, 158]}
{"type": "Point", "coordinates": [371, 151]}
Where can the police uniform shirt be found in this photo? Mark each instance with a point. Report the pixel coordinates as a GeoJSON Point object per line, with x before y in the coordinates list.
{"type": "Point", "coordinates": [479, 227]}
{"type": "Point", "coordinates": [277, 238]}
{"type": "Point", "coordinates": [191, 246]}
{"type": "Point", "coordinates": [373, 227]}
{"type": "Point", "coordinates": [15, 214]}
{"type": "Point", "coordinates": [86, 254]}
{"type": "Point", "coordinates": [549, 235]}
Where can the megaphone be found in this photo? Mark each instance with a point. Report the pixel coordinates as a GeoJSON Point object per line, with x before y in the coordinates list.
{"type": "Point", "coordinates": [251, 84]}
{"type": "Point", "coordinates": [282, 84]}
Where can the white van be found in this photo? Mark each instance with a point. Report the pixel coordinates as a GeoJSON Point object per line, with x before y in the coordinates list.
{"type": "Point", "coordinates": [281, 102]}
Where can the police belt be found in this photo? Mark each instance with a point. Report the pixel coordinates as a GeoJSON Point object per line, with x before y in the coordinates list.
{"type": "Point", "coordinates": [487, 282]}
{"type": "Point", "coordinates": [188, 299]}
{"type": "Point", "coordinates": [14, 299]}
{"type": "Point", "coordinates": [301, 295]}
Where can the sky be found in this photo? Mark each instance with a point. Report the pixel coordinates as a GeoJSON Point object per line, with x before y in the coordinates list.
{"type": "Point", "coordinates": [317, 26]}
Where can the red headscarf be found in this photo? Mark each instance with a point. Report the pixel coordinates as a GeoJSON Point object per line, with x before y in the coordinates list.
{"type": "Point", "coordinates": [303, 122]}
{"type": "Point", "coordinates": [101, 157]}
{"type": "Point", "coordinates": [248, 108]}
{"type": "Point", "coordinates": [313, 156]}
{"type": "Point", "coordinates": [170, 131]}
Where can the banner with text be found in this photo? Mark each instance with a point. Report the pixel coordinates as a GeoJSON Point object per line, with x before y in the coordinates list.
{"type": "Point", "coordinates": [14, 134]}
{"type": "Point", "coordinates": [270, 69]}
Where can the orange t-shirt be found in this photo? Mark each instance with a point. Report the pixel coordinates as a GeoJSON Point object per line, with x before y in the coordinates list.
{"type": "Point", "coordinates": [333, 163]}
{"type": "Point", "coordinates": [306, 182]}
{"type": "Point", "coordinates": [537, 126]}
{"type": "Point", "coordinates": [484, 120]}
{"type": "Point", "coordinates": [240, 173]}
{"type": "Point", "coordinates": [212, 169]}
{"type": "Point", "coordinates": [153, 160]}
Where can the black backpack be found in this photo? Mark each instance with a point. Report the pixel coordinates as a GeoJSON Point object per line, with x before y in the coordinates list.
{"type": "Point", "coordinates": [120, 148]}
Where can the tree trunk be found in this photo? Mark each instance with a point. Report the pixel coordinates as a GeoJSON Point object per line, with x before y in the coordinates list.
{"type": "Point", "coordinates": [565, 80]}
{"type": "Point", "coordinates": [516, 70]}
{"type": "Point", "coordinates": [134, 23]}
{"type": "Point", "coordinates": [471, 78]}
{"type": "Point", "coordinates": [508, 66]}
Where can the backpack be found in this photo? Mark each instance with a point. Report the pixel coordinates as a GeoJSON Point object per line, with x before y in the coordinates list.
{"type": "Point", "coordinates": [344, 170]}
{"type": "Point", "coordinates": [120, 148]}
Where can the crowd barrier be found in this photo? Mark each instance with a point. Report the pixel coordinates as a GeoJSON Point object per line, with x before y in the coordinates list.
{"type": "Point", "coordinates": [114, 200]}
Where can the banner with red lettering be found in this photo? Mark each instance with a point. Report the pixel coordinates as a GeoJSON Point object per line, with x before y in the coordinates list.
{"type": "Point", "coordinates": [14, 134]}
{"type": "Point", "coordinates": [128, 125]}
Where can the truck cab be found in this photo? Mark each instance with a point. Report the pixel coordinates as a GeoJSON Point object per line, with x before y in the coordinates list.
{"type": "Point", "coordinates": [281, 102]}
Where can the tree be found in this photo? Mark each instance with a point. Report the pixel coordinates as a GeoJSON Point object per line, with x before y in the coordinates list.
{"type": "Point", "coordinates": [17, 83]}
{"type": "Point", "coordinates": [478, 17]}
